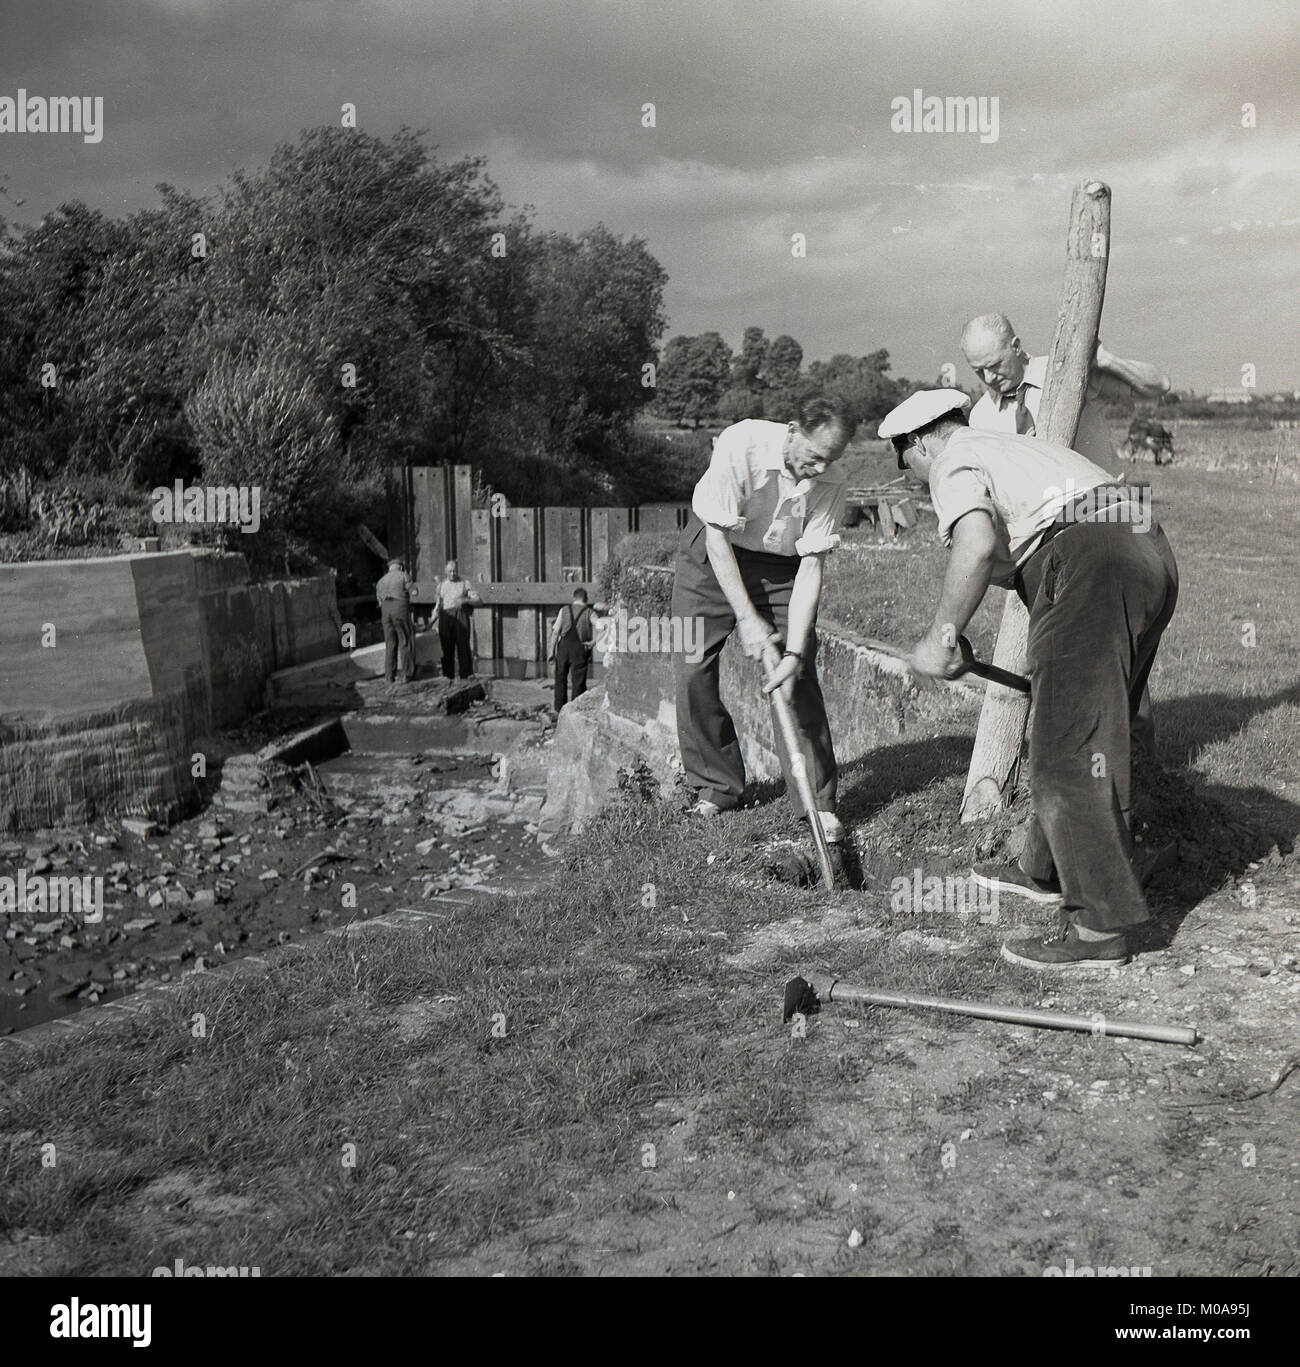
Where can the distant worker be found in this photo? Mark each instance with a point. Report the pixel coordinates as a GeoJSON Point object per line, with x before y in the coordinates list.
{"type": "Point", "coordinates": [455, 611]}
{"type": "Point", "coordinates": [393, 594]}
{"type": "Point", "coordinates": [573, 635]}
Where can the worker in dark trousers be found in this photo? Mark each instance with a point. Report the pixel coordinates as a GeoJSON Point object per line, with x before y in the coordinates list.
{"type": "Point", "coordinates": [572, 635]}
{"type": "Point", "coordinates": [1100, 583]}
{"type": "Point", "coordinates": [393, 593]}
{"type": "Point", "coordinates": [456, 603]}
{"type": "Point", "coordinates": [764, 516]}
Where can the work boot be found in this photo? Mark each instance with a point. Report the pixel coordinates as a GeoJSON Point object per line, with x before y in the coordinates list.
{"type": "Point", "coordinates": [1066, 951]}
{"type": "Point", "coordinates": [1012, 878]}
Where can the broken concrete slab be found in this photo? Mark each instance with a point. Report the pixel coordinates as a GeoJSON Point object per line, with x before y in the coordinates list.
{"type": "Point", "coordinates": [310, 746]}
{"type": "Point", "coordinates": [593, 745]}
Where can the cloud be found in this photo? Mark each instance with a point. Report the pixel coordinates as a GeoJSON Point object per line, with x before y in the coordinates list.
{"type": "Point", "coordinates": [769, 119]}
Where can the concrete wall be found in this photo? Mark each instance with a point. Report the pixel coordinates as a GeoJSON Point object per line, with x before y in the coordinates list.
{"type": "Point", "coordinates": [632, 721]}
{"type": "Point", "coordinates": [149, 652]}
{"type": "Point", "coordinates": [869, 700]}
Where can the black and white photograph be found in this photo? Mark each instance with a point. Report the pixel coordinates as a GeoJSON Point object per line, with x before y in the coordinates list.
{"type": "Point", "coordinates": [650, 639]}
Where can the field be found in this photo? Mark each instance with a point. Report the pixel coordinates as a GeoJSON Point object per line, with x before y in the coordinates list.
{"type": "Point", "coordinates": [595, 1078]}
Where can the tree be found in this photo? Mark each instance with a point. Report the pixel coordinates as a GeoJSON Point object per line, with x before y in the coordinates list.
{"type": "Point", "coordinates": [691, 377]}
{"type": "Point", "coordinates": [599, 316]}
{"type": "Point", "coordinates": [366, 258]}
{"type": "Point", "coordinates": [863, 382]}
{"type": "Point", "coordinates": [738, 403]}
{"type": "Point", "coordinates": [54, 270]}
{"type": "Point", "coordinates": [780, 377]}
{"type": "Point", "coordinates": [743, 397]}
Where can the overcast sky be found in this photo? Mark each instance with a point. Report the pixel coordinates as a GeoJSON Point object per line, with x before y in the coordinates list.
{"type": "Point", "coordinates": [771, 119]}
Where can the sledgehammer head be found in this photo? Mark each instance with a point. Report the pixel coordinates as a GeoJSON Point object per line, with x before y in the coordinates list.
{"type": "Point", "coordinates": [800, 997]}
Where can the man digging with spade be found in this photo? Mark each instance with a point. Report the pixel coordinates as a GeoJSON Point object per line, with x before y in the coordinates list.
{"type": "Point", "coordinates": [1100, 583]}
{"type": "Point", "coordinates": [764, 516]}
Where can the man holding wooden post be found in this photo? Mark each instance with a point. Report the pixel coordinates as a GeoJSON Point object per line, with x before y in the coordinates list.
{"type": "Point", "coordinates": [1100, 583]}
{"type": "Point", "coordinates": [1013, 386]}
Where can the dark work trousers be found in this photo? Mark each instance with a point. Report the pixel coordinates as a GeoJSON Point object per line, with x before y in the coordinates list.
{"type": "Point", "coordinates": [453, 634]}
{"type": "Point", "coordinates": [398, 637]}
{"type": "Point", "coordinates": [571, 658]}
{"type": "Point", "coordinates": [1100, 595]}
{"type": "Point", "coordinates": [705, 731]}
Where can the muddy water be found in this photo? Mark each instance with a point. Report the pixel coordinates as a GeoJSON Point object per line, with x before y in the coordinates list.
{"type": "Point", "coordinates": [415, 813]}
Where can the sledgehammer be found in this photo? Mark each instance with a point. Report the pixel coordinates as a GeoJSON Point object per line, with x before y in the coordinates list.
{"type": "Point", "coordinates": [799, 771]}
{"type": "Point", "coordinates": [806, 996]}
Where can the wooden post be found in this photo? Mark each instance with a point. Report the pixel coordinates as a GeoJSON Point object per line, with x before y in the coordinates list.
{"type": "Point", "coordinates": [1005, 714]}
{"type": "Point", "coordinates": [482, 570]}
{"type": "Point", "coordinates": [462, 504]}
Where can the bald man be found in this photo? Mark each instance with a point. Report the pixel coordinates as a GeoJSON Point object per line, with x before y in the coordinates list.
{"type": "Point", "coordinates": [1013, 386]}
{"type": "Point", "coordinates": [1013, 390]}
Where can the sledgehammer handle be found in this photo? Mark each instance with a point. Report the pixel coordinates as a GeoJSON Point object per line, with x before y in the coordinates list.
{"type": "Point", "coordinates": [799, 771]}
{"type": "Point", "coordinates": [970, 665]}
{"type": "Point", "coordinates": [831, 990]}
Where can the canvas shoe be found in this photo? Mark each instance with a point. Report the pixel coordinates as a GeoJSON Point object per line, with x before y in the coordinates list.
{"type": "Point", "coordinates": [1011, 878]}
{"type": "Point", "coordinates": [1066, 951]}
{"type": "Point", "coordinates": [832, 827]}
{"type": "Point", "coordinates": [705, 808]}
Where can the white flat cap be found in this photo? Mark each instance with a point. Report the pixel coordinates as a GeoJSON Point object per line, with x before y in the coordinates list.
{"type": "Point", "coordinates": [919, 409]}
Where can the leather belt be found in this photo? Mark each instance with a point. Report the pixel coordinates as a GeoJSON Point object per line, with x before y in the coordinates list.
{"type": "Point", "coordinates": [1068, 518]}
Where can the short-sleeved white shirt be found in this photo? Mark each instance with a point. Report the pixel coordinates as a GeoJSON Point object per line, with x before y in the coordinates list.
{"type": "Point", "coordinates": [1022, 482]}
{"type": "Point", "coordinates": [748, 493]}
{"type": "Point", "coordinates": [1091, 440]}
{"type": "Point", "coordinates": [454, 594]}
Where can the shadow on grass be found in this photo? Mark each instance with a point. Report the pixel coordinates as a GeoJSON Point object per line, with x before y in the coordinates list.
{"type": "Point", "coordinates": [1187, 726]}
{"type": "Point", "coordinates": [874, 780]}
{"type": "Point", "coordinates": [1217, 831]}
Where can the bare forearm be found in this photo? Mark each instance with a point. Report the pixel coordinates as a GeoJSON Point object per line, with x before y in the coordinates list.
{"type": "Point", "coordinates": [722, 558]}
{"type": "Point", "coordinates": [804, 598]}
{"type": "Point", "coordinates": [1147, 379]}
{"type": "Point", "coordinates": [966, 581]}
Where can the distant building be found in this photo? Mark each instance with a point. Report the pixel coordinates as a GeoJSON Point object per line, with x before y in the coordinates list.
{"type": "Point", "coordinates": [1232, 395]}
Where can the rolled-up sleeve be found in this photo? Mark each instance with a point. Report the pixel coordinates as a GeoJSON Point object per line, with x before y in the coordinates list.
{"type": "Point", "coordinates": [958, 488]}
{"type": "Point", "coordinates": [826, 504]}
{"type": "Point", "coordinates": [723, 486]}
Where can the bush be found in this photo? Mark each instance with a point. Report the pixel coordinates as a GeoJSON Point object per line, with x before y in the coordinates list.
{"type": "Point", "coordinates": [660, 467]}
{"type": "Point", "coordinates": [260, 423]}
{"type": "Point", "coordinates": [626, 579]}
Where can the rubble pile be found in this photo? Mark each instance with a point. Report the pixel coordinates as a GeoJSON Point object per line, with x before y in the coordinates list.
{"type": "Point", "coordinates": [281, 851]}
